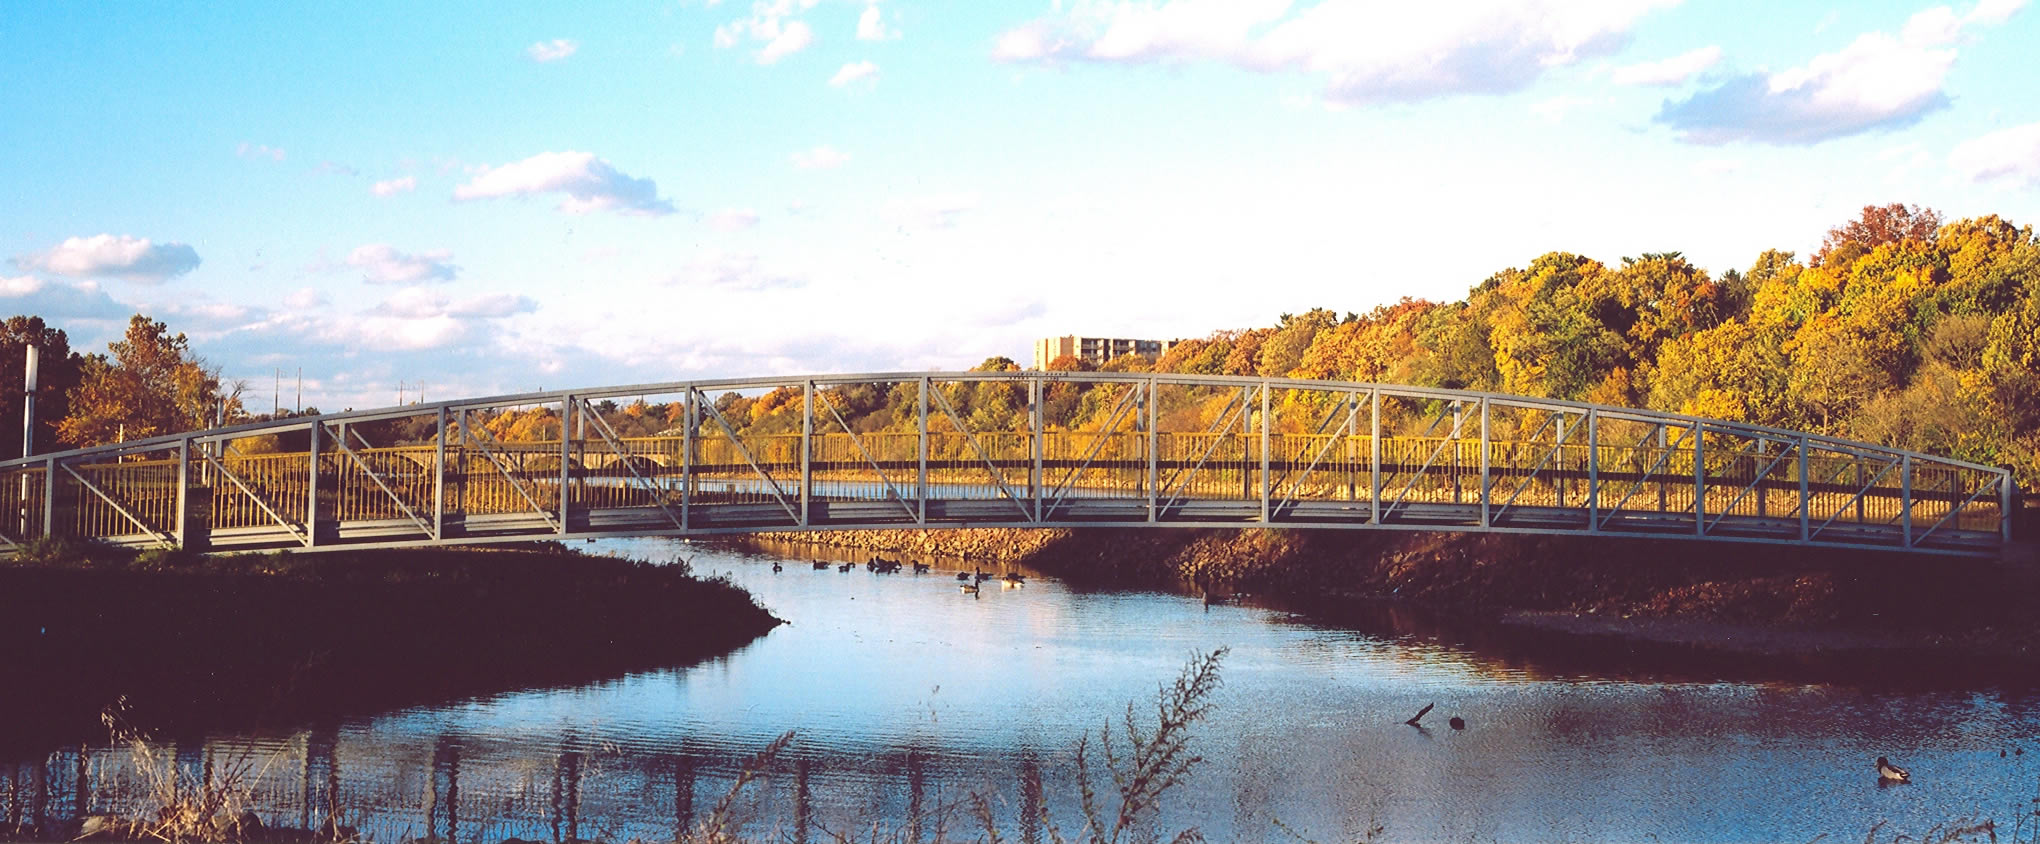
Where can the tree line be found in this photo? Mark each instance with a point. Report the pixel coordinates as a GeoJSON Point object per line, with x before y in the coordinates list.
{"type": "Point", "coordinates": [1900, 329]}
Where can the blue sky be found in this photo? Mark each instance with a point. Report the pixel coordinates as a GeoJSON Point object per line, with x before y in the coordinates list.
{"type": "Point", "coordinates": [489, 197]}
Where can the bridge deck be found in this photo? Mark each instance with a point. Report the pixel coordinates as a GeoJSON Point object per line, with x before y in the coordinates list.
{"type": "Point", "coordinates": [1283, 454]}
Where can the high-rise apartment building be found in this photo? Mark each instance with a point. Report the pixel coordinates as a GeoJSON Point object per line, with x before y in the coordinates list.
{"type": "Point", "coordinates": [1095, 349]}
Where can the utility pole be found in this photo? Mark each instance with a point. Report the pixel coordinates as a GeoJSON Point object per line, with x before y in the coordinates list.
{"type": "Point", "coordinates": [27, 430]}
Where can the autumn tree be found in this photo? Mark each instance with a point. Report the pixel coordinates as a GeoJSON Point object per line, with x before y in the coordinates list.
{"type": "Point", "coordinates": [1879, 224]}
{"type": "Point", "coordinates": [58, 372]}
{"type": "Point", "coordinates": [152, 385]}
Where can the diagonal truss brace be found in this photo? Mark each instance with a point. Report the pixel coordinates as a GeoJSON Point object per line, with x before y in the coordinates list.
{"type": "Point", "coordinates": [113, 501]}
{"type": "Point", "coordinates": [1994, 485]}
{"type": "Point", "coordinates": [891, 491]}
{"type": "Point", "coordinates": [1119, 408]}
{"type": "Point", "coordinates": [341, 441]}
{"type": "Point", "coordinates": [1451, 440]}
{"type": "Point", "coordinates": [1565, 428]}
{"type": "Point", "coordinates": [991, 467]}
{"type": "Point", "coordinates": [303, 533]}
{"type": "Point", "coordinates": [503, 469]}
{"type": "Point", "coordinates": [777, 493]}
{"type": "Point", "coordinates": [1224, 422]}
{"type": "Point", "coordinates": [1663, 457]}
{"type": "Point", "coordinates": [609, 436]}
{"type": "Point", "coordinates": [1756, 481]}
{"type": "Point", "coordinates": [1860, 493]}
{"type": "Point", "coordinates": [1350, 404]}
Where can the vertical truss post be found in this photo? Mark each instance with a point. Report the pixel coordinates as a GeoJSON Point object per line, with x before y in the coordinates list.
{"type": "Point", "coordinates": [687, 424]}
{"type": "Point", "coordinates": [1151, 404]}
{"type": "Point", "coordinates": [1905, 479]}
{"type": "Point", "coordinates": [1346, 448]}
{"type": "Point", "coordinates": [2004, 506]}
{"type": "Point", "coordinates": [1035, 435]}
{"type": "Point", "coordinates": [1699, 480]}
{"type": "Point", "coordinates": [1805, 495]}
{"type": "Point", "coordinates": [1486, 464]}
{"type": "Point", "coordinates": [439, 475]}
{"type": "Point", "coordinates": [1663, 446]}
{"type": "Point", "coordinates": [807, 449]}
{"type": "Point", "coordinates": [49, 499]}
{"type": "Point", "coordinates": [921, 485]}
{"type": "Point", "coordinates": [1593, 470]}
{"type": "Point", "coordinates": [312, 484]}
{"type": "Point", "coordinates": [566, 453]}
{"type": "Point", "coordinates": [178, 521]}
{"type": "Point", "coordinates": [1374, 445]}
{"type": "Point", "coordinates": [1265, 441]}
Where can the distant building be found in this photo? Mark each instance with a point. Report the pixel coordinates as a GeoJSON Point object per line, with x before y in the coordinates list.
{"type": "Point", "coordinates": [1097, 350]}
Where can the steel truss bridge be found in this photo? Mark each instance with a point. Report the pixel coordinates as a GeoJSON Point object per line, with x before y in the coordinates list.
{"type": "Point", "coordinates": [1158, 451]}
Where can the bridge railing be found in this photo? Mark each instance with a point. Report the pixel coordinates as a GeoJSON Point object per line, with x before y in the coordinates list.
{"type": "Point", "coordinates": [1155, 450]}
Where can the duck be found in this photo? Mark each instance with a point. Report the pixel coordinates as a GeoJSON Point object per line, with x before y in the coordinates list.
{"type": "Point", "coordinates": [845, 567]}
{"type": "Point", "coordinates": [1891, 773]}
{"type": "Point", "coordinates": [963, 575]}
{"type": "Point", "coordinates": [821, 565]}
{"type": "Point", "coordinates": [920, 568]}
{"type": "Point", "coordinates": [1014, 578]}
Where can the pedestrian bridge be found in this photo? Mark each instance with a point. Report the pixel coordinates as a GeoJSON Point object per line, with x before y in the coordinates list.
{"type": "Point", "coordinates": [1157, 451]}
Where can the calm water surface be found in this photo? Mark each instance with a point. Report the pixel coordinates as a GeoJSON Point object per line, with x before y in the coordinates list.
{"type": "Point", "coordinates": [905, 695]}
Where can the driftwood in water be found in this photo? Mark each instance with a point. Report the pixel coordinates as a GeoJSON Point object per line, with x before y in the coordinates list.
{"type": "Point", "coordinates": [1415, 719]}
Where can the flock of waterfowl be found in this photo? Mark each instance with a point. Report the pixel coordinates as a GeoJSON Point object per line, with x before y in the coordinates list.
{"type": "Point", "coordinates": [967, 581]}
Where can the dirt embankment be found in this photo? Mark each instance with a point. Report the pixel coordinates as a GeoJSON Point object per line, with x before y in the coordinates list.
{"type": "Point", "coordinates": [189, 642]}
{"type": "Point", "coordinates": [1753, 598]}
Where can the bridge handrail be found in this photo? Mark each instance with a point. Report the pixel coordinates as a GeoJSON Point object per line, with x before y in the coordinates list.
{"type": "Point", "coordinates": [617, 391]}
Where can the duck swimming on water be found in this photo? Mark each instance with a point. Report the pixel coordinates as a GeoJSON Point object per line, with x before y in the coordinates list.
{"type": "Point", "coordinates": [1891, 773]}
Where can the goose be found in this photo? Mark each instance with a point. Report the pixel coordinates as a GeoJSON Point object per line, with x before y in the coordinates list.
{"type": "Point", "coordinates": [777, 568]}
{"type": "Point", "coordinates": [1892, 773]}
{"type": "Point", "coordinates": [982, 577]}
{"type": "Point", "coordinates": [1014, 578]}
{"type": "Point", "coordinates": [969, 588]}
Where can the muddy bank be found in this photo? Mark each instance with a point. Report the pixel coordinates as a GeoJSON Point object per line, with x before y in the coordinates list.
{"type": "Point", "coordinates": [190, 643]}
{"type": "Point", "coordinates": [1754, 600]}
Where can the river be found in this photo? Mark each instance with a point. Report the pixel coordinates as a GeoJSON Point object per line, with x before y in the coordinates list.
{"type": "Point", "coordinates": [905, 696]}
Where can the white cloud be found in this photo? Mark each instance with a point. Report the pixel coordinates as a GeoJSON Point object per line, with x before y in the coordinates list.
{"type": "Point", "coordinates": [248, 150]}
{"type": "Point", "coordinates": [770, 24]}
{"type": "Point", "coordinates": [552, 51]}
{"type": "Point", "coordinates": [733, 219]}
{"type": "Point", "coordinates": [423, 303]}
{"type": "Point", "coordinates": [590, 183]}
{"type": "Point", "coordinates": [871, 25]}
{"type": "Point", "coordinates": [853, 72]}
{"type": "Point", "coordinates": [732, 272]}
{"type": "Point", "coordinates": [1878, 81]}
{"type": "Point", "coordinates": [135, 259]}
{"type": "Point", "coordinates": [929, 213]}
{"type": "Point", "coordinates": [392, 187]}
{"type": "Point", "coordinates": [1367, 52]}
{"type": "Point", "coordinates": [1670, 72]}
{"type": "Point", "coordinates": [2008, 156]}
{"type": "Point", "coordinates": [57, 300]}
{"type": "Point", "coordinates": [305, 298]}
{"type": "Point", "coordinates": [381, 263]}
{"type": "Point", "coordinates": [794, 38]}
{"type": "Point", "coordinates": [820, 158]}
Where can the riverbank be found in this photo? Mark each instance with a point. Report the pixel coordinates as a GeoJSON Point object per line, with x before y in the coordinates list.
{"type": "Point", "coordinates": [1954, 617]}
{"type": "Point", "coordinates": [189, 641]}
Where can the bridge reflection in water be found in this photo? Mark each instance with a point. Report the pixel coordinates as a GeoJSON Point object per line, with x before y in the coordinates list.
{"type": "Point", "coordinates": [1165, 451]}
